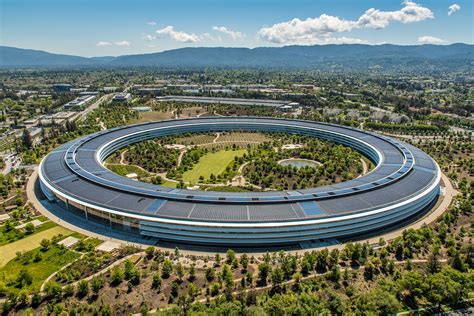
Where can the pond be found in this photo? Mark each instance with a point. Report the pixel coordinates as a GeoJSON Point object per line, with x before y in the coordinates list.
{"type": "Point", "coordinates": [299, 163]}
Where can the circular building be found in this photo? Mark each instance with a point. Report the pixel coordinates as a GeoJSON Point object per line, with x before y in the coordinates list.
{"type": "Point", "coordinates": [404, 183]}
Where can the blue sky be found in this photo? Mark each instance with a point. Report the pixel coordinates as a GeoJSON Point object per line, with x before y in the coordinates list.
{"type": "Point", "coordinates": [106, 27]}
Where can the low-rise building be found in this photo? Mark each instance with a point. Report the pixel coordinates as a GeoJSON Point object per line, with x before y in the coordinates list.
{"type": "Point", "coordinates": [142, 109]}
{"type": "Point", "coordinates": [123, 97]}
{"type": "Point", "coordinates": [79, 102]}
{"type": "Point", "coordinates": [62, 87]}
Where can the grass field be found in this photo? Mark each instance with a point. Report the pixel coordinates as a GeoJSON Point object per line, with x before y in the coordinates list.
{"type": "Point", "coordinates": [52, 260]}
{"type": "Point", "coordinates": [169, 184]}
{"type": "Point", "coordinates": [144, 117]}
{"type": "Point", "coordinates": [123, 170]}
{"type": "Point", "coordinates": [212, 163]}
{"type": "Point", "coordinates": [8, 252]}
{"type": "Point", "coordinates": [12, 236]}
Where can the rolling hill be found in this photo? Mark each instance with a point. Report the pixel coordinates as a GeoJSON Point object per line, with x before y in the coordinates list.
{"type": "Point", "coordinates": [349, 56]}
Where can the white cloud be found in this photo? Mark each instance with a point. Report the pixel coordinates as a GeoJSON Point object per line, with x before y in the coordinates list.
{"type": "Point", "coordinates": [209, 37]}
{"type": "Point", "coordinates": [122, 43]}
{"type": "Point", "coordinates": [411, 12]}
{"type": "Point", "coordinates": [342, 40]}
{"type": "Point", "coordinates": [453, 8]}
{"type": "Point", "coordinates": [320, 29]}
{"type": "Point", "coordinates": [233, 34]}
{"type": "Point", "coordinates": [430, 40]}
{"type": "Point", "coordinates": [177, 35]}
{"type": "Point", "coordinates": [305, 31]}
{"type": "Point", "coordinates": [149, 38]}
{"type": "Point", "coordinates": [151, 23]}
{"type": "Point", "coordinates": [103, 43]}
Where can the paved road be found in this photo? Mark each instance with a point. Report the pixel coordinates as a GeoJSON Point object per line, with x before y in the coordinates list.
{"type": "Point", "coordinates": [11, 162]}
{"type": "Point", "coordinates": [94, 105]}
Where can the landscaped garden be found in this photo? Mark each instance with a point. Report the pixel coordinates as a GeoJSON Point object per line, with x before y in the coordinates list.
{"type": "Point", "coordinates": [239, 161]}
{"type": "Point", "coordinates": [30, 269]}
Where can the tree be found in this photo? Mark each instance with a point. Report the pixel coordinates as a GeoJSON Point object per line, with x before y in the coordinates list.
{"type": "Point", "coordinates": [53, 290]}
{"type": "Point", "coordinates": [278, 276]}
{"type": "Point", "coordinates": [35, 300]}
{"type": "Point", "coordinates": [180, 271]}
{"type": "Point", "coordinates": [369, 271]}
{"type": "Point", "coordinates": [215, 288]}
{"type": "Point", "coordinates": [167, 269]}
{"type": "Point", "coordinates": [24, 278]}
{"type": "Point", "coordinates": [244, 261]}
{"type": "Point", "coordinates": [174, 289]}
{"type": "Point", "coordinates": [230, 256]}
{"type": "Point", "coordinates": [377, 302]}
{"type": "Point", "coordinates": [457, 262]}
{"type": "Point", "coordinates": [335, 304]}
{"type": "Point", "coordinates": [433, 264]}
{"type": "Point", "coordinates": [443, 290]}
{"type": "Point", "coordinates": [150, 252]}
{"type": "Point", "coordinates": [411, 287]}
{"type": "Point", "coordinates": [23, 297]}
{"type": "Point", "coordinates": [185, 301]}
{"type": "Point", "coordinates": [192, 273]}
{"type": "Point", "coordinates": [335, 273]}
{"type": "Point", "coordinates": [210, 274]}
{"type": "Point", "coordinates": [264, 269]}
{"type": "Point", "coordinates": [227, 276]}
{"type": "Point", "coordinates": [45, 244]}
{"type": "Point", "coordinates": [129, 269]}
{"type": "Point", "coordinates": [96, 284]}
{"type": "Point", "coordinates": [156, 282]}
{"type": "Point", "coordinates": [192, 291]}
{"type": "Point", "coordinates": [217, 259]}
{"type": "Point", "coordinates": [116, 276]}
{"type": "Point", "coordinates": [29, 228]}
{"type": "Point", "coordinates": [82, 288]}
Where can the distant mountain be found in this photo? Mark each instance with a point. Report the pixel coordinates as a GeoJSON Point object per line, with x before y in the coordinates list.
{"type": "Point", "coordinates": [18, 57]}
{"type": "Point", "coordinates": [350, 56]}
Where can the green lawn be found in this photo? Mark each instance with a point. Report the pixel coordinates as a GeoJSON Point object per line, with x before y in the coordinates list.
{"type": "Point", "coordinates": [8, 252]}
{"type": "Point", "coordinates": [13, 235]}
{"type": "Point", "coordinates": [214, 163]}
{"type": "Point", "coordinates": [52, 260]}
{"type": "Point", "coordinates": [228, 189]}
{"type": "Point", "coordinates": [123, 170]}
{"type": "Point", "coordinates": [169, 184]}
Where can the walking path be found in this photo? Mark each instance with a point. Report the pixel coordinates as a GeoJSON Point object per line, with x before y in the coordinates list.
{"type": "Point", "coordinates": [180, 157]}
{"type": "Point", "coordinates": [364, 167]}
{"type": "Point", "coordinates": [100, 272]}
{"type": "Point", "coordinates": [122, 157]}
{"type": "Point", "coordinates": [217, 137]}
{"type": "Point", "coordinates": [201, 114]}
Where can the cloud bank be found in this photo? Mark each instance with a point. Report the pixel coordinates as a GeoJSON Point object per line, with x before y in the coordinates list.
{"type": "Point", "coordinates": [169, 32]}
{"type": "Point", "coordinates": [118, 43]}
{"type": "Point", "coordinates": [233, 34]}
{"type": "Point", "coordinates": [430, 40]}
{"type": "Point", "coordinates": [322, 29]}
